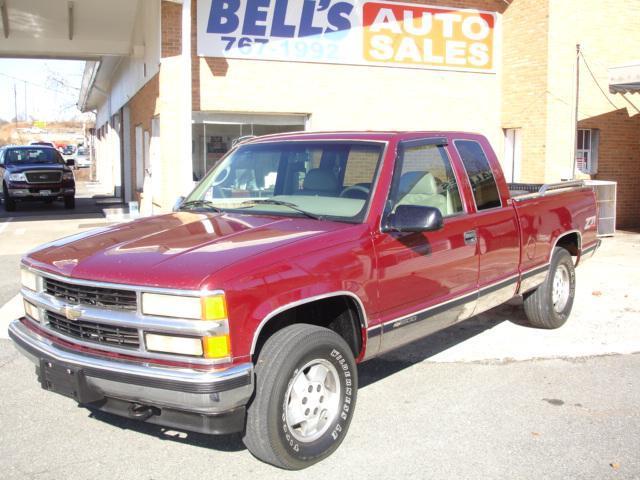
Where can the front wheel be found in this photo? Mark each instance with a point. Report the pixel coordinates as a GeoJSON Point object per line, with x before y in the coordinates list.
{"type": "Point", "coordinates": [306, 386]}
{"type": "Point", "coordinates": [549, 305]}
{"type": "Point", "coordinates": [9, 203]}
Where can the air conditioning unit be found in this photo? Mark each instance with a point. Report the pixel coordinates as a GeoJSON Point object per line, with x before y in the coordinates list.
{"type": "Point", "coordinates": [606, 197]}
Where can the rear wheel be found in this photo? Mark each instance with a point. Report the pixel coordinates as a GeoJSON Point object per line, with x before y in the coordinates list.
{"type": "Point", "coordinates": [69, 203]}
{"type": "Point", "coordinates": [550, 304]}
{"type": "Point", "coordinates": [306, 385]}
{"type": "Point", "coordinates": [9, 203]}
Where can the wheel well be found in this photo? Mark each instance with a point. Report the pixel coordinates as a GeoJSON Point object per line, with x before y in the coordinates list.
{"type": "Point", "coordinates": [340, 314]}
{"type": "Point", "coordinates": [571, 243]}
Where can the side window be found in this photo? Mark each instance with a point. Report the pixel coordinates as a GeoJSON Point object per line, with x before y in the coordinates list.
{"type": "Point", "coordinates": [59, 158]}
{"type": "Point", "coordinates": [483, 183]}
{"type": "Point", "coordinates": [425, 178]}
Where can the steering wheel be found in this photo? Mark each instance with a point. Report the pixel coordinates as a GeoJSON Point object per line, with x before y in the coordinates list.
{"type": "Point", "coordinates": [355, 188]}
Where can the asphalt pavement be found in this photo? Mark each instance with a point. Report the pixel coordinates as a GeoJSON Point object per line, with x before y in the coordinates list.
{"type": "Point", "coordinates": [488, 398]}
{"type": "Point", "coordinates": [551, 419]}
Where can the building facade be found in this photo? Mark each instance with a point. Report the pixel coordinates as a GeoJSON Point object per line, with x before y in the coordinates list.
{"type": "Point", "coordinates": [201, 75]}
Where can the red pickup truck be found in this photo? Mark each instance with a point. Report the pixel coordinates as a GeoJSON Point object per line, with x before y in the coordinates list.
{"type": "Point", "coordinates": [295, 258]}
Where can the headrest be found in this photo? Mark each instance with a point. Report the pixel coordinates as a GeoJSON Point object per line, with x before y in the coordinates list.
{"type": "Point", "coordinates": [320, 180]}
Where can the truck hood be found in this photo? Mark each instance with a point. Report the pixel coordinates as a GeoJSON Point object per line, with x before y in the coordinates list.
{"type": "Point", "coordinates": [179, 250]}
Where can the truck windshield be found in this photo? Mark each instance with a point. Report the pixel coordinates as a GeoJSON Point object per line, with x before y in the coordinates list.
{"type": "Point", "coordinates": [32, 155]}
{"type": "Point", "coordinates": [329, 179]}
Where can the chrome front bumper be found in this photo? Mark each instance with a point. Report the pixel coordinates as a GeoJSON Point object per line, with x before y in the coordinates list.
{"type": "Point", "coordinates": [204, 393]}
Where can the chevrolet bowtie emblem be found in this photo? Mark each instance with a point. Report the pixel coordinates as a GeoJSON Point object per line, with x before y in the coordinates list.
{"type": "Point", "coordinates": [72, 313]}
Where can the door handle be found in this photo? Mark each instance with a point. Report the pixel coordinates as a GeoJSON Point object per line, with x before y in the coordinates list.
{"type": "Point", "coordinates": [470, 237]}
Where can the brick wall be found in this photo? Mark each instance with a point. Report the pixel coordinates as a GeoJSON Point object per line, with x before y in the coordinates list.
{"type": "Point", "coordinates": [609, 35]}
{"type": "Point", "coordinates": [619, 160]}
{"type": "Point", "coordinates": [171, 18]}
{"type": "Point", "coordinates": [524, 81]}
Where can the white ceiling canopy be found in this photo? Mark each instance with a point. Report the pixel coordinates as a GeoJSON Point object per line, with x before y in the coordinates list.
{"type": "Point", "coordinates": [74, 29]}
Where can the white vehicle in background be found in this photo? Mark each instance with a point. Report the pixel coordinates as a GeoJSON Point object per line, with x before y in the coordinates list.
{"type": "Point", "coordinates": [82, 157]}
{"type": "Point", "coordinates": [68, 153]}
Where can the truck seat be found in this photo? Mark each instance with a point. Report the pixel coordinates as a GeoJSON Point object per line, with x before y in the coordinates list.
{"type": "Point", "coordinates": [424, 192]}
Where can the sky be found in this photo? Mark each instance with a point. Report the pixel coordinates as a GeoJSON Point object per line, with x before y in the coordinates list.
{"type": "Point", "coordinates": [51, 88]}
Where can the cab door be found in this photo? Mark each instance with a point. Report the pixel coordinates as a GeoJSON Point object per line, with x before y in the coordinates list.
{"type": "Point", "coordinates": [494, 222]}
{"type": "Point", "coordinates": [427, 280]}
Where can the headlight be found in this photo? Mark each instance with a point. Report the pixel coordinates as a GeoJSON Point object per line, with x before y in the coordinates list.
{"type": "Point", "coordinates": [67, 176]}
{"type": "Point", "coordinates": [29, 279]}
{"type": "Point", "coordinates": [197, 308]}
{"type": "Point", "coordinates": [169, 344]}
{"type": "Point", "coordinates": [17, 177]}
{"type": "Point", "coordinates": [207, 347]}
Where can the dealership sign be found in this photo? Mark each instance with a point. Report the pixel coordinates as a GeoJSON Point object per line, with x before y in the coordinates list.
{"type": "Point", "coordinates": [355, 32]}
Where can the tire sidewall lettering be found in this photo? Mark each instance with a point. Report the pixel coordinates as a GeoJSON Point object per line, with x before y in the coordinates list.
{"type": "Point", "coordinates": [563, 316]}
{"type": "Point", "coordinates": [304, 450]}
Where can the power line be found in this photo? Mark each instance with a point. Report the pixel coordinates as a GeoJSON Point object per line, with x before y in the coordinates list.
{"type": "Point", "coordinates": [37, 85]}
{"type": "Point", "coordinates": [596, 81]}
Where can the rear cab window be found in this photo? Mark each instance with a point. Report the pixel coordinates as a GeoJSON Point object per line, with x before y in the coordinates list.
{"type": "Point", "coordinates": [481, 178]}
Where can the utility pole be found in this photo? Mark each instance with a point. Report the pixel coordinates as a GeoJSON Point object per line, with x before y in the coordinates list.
{"type": "Point", "coordinates": [15, 104]}
{"type": "Point", "coordinates": [26, 116]}
{"type": "Point", "coordinates": [575, 129]}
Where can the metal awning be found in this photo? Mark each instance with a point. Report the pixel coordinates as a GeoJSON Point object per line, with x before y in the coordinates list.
{"type": "Point", "coordinates": [625, 78]}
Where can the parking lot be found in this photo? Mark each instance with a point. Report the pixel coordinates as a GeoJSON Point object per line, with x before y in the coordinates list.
{"type": "Point", "coordinates": [488, 398]}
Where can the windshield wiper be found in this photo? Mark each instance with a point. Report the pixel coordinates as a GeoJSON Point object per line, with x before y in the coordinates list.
{"type": "Point", "coordinates": [200, 204]}
{"type": "Point", "coordinates": [271, 201]}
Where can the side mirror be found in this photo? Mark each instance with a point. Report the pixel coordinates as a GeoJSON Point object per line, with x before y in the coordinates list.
{"type": "Point", "coordinates": [176, 206]}
{"type": "Point", "coordinates": [414, 218]}
{"type": "Point", "coordinates": [71, 162]}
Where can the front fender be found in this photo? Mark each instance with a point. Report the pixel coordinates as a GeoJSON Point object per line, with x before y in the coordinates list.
{"type": "Point", "coordinates": [254, 300]}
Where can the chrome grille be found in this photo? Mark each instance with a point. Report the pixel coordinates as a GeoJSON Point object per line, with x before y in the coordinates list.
{"type": "Point", "coordinates": [95, 332]}
{"type": "Point", "coordinates": [43, 177]}
{"type": "Point", "coordinates": [92, 296]}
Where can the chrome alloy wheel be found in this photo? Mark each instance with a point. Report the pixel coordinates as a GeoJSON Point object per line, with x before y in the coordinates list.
{"type": "Point", "coordinates": [312, 400]}
{"type": "Point", "coordinates": [561, 288]}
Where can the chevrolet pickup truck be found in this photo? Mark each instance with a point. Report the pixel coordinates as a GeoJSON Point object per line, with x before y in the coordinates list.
{"type": "Point", "coordinates": [35, 172]}
{"type": "Point", "coordinates": [295, 258]}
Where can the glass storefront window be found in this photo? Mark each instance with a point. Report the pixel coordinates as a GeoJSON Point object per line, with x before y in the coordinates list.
{"type": "Point", "coordinates": [212, 139]}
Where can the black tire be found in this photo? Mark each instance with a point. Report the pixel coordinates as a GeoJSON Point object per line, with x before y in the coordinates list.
{"type": "Point", "coordinates": [69, 203]}
{"type": "Point", "coordinates": [287, 356]}
{"type": "Point", "coordinates": [9, 203]}
{"type": "Point", "coordinates": [539, 305]}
